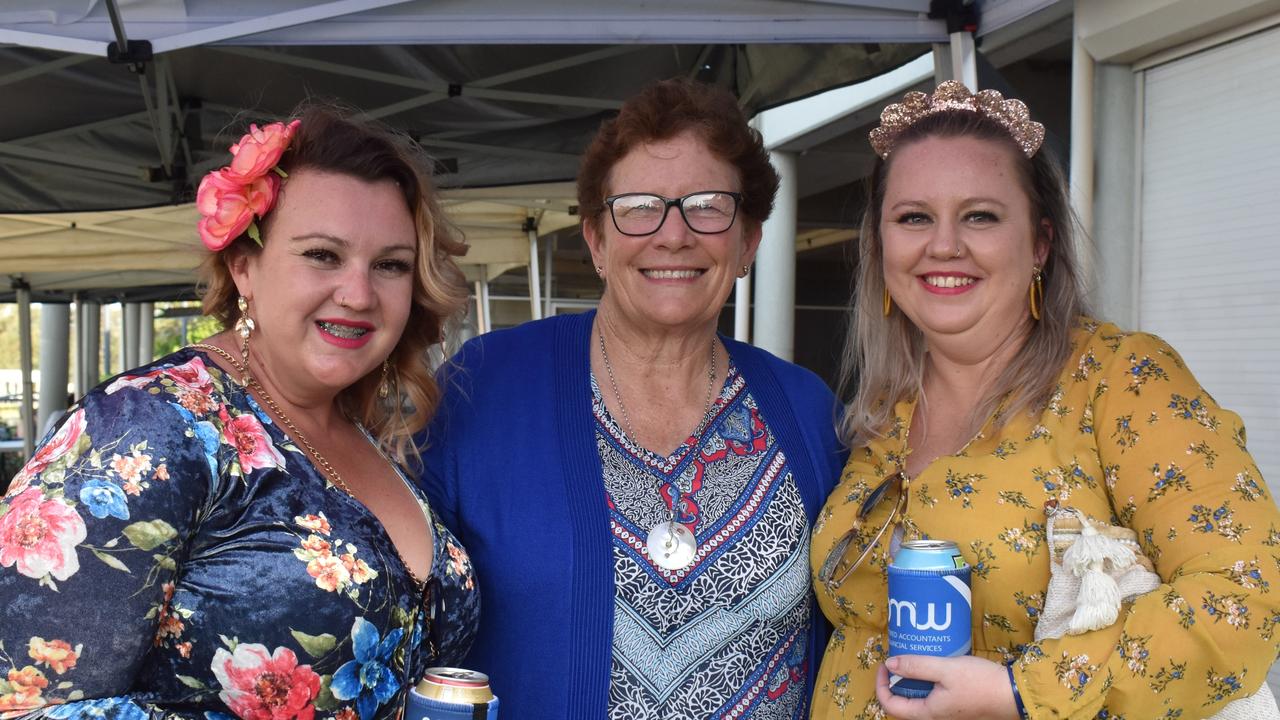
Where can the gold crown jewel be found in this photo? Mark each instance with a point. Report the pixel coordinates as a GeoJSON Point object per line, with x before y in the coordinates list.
{"type": "Point", "coordinates": [1011, 114]}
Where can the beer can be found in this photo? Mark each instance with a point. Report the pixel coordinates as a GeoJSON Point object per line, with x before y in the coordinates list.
{"type": "Point", "coordinates": [930, 607]}
{"type": "Point", "coordinates": [451, 694]}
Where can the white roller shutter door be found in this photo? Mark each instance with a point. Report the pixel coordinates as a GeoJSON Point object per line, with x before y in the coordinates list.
{"type": "Point", "coordinates": [1209, 259]}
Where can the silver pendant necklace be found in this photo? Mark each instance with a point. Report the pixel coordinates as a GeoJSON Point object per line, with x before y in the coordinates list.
{"type": "Point", "coordinates": [671, 545]}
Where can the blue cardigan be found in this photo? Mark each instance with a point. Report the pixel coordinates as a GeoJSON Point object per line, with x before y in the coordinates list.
{"type": "Point", "coordinates": [512, 468]}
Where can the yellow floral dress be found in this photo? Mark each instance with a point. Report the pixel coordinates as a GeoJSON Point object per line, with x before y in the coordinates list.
{"type": "Point", "coordinates": [1128, 437]}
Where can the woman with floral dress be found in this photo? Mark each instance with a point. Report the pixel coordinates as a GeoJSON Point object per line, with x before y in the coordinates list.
{"type": "Point", "coordinates": [228, 531]}
{"type": "Point", "coordinates": [986, 393]}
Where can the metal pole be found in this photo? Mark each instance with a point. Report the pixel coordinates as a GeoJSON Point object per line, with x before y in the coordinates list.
{"type": "Point", "coordinates": [775, 302]}
{"type": "Point", "coordinates": [535, 292]}
{"type": "Point", "coordinates": [941, 62]}
{"type": "Point", "coordinates": [55, 332]}
{"type": "Point", "coordinates": [742, 309]}
{"type": "Point", "coordinates": [486, 318]}
{"type": "Point", "coordinates": [1082, 147]}
{"type": "Point", "coordinates": [79, 373]}
{"type": "Point", "coordinates": [27, 417]}
{"type": "Point", "coordinates": [479, 309]}
{"type": "Point", "coordinates": [92, 345]}
{"type": "Point", "coordinates": [106, 346]}
{"type": "Point", "coordinates": [146, 332]}
{"type": "Point", "coordinates": [117, 25]}
{"type": "Point", "coordinates": [548, 261]}
{"type": "Point", "coordinates": [130, 318]}
{"type": "Point", "coordinates": [964, 63]}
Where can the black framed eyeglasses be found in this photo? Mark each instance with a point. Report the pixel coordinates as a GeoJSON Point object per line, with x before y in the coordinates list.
{"type": "Point", "coordinates": [705, 212]}
{"type": "Point", "coordinates": [837, 567]}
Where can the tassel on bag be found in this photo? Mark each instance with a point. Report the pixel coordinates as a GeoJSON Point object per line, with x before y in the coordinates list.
{"type": "Point", "coordinates": [1098, 604]}
{"type": "Point", "coordinates": [1093, 568]}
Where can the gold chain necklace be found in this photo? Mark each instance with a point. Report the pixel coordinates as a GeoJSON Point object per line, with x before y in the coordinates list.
{"type": "Point", "coordinates": [252, 383]}
{"type": "Point", "coordinates": [329, 471]}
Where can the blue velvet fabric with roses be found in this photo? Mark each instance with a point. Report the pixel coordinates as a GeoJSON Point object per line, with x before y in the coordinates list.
{"type": "Point", "coordinates": [168, 551]}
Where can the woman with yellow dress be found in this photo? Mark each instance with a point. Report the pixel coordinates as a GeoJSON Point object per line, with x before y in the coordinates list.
{"type": "Point", "coordinates": [986, 391]}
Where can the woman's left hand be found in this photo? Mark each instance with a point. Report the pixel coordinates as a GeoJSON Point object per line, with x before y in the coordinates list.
{"type": "Point", "coordinates": [963, 687]}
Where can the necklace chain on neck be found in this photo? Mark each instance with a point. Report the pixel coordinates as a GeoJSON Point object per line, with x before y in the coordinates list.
{"type": "Point", "coordinates": [321, 462]}
{"type": "Point", "coordinates": [617, 395]}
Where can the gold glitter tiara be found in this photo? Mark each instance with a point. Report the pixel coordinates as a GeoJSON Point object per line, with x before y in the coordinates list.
{"type": "Point", "coordinates": [1010, 114]}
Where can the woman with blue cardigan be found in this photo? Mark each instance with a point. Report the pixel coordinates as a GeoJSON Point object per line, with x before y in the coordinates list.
{"type": "Point", "coordinates": [636, 492]}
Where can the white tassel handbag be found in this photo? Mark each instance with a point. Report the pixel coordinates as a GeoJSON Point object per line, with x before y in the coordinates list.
{"type": "Point", "coordinates": [1093, 568]}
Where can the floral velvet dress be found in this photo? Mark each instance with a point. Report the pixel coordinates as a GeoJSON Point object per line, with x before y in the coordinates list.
{"type": "Point", "coordinates": [169, 552]}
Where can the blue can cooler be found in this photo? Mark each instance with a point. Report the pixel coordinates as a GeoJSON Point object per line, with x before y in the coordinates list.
{"type": "Point", "coordinates": [451, 694]}
{"type": "Point", "coordinates": [930, 607]}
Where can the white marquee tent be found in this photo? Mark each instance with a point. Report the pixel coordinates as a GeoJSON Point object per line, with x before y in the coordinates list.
{"type": "Point", "coordinates": [115, 108]}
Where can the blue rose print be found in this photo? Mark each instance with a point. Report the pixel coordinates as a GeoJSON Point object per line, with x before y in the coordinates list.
{"type": "Point", "coordinates": [368, 679]}
{"type": "Point", "coordinates": [104, 498]}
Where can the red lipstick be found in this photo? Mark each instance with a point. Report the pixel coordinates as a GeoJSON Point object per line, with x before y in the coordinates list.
{"type": "Point", "coordinates": [350, 334]}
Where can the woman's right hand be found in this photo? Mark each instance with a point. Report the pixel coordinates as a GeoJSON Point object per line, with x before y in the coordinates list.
{"type": "Point", "coordinates": [963, 688]}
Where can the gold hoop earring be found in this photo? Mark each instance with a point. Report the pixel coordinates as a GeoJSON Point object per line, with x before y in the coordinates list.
{"type": "Point", "coordinates": [1036, 292]}
{"type": "Point", "coordinates": [888, 303]}
{"type": "Point", "coordinates": [244, 328]}
{"type": "Point", "coordinates": [384, 386]}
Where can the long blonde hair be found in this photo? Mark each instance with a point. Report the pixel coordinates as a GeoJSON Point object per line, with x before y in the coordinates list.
{"type": "Point", "coordinates": [337, 140]}
{"type": "Point", "coordinates": [883, 357]}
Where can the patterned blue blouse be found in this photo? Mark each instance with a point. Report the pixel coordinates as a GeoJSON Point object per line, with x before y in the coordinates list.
{"type": "Point", "coordinates": [727, 636]}
{"type": "Point", "coordinates": [169, 551]}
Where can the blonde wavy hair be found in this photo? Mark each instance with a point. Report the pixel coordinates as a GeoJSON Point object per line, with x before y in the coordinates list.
{"type": "Point", "coordinates": [883, 358]}
{"type": "Point", "coordinates": [337, 140]}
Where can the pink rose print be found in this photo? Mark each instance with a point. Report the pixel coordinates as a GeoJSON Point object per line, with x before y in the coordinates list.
{"type": "Point", "coordinates": [246, 434]}
{"type": "Point", "coordinates": [191, 375]}
{"type": "Point", "coordinates": [40, 536]}
{"type": "Point", "coordinates": [60, 444]}
{"type": "Point", "coordinates": [259, 686]}
{"type": "Point", "coordinates": [136, 382]}
{"type": "Point", "coordinates": [196, 403]}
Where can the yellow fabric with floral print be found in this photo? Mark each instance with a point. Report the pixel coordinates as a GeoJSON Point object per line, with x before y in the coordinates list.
{"type": "Point", "coordinates": [1129, 437]}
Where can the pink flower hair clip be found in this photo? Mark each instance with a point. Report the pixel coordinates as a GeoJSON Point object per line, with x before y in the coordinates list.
{"type": "Point", "coordinates": [232, 199]}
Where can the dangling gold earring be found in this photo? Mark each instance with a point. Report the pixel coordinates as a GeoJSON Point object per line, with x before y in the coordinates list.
{"type": "Point", "coordinates": [1037, 292]}
{"type": "Point", "coordinates": [384, 387]}
{"type": "Point", "coordinates": [244, 328]}
{"type": "Point", "coordinates": [888, 303]}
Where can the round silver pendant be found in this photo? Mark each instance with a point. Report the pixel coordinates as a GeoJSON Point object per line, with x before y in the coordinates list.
{"type": "Point", "coordinates": [671, 545]}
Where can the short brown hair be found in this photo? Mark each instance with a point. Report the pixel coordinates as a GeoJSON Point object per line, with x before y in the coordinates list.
{"type": "Point", "coordinates": [664, 110]}
{"type": "Point", "coordinates": [337, 140]}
